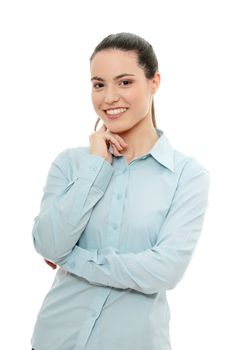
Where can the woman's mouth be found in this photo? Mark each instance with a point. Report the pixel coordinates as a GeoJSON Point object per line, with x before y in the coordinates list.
{"type": "Point", "coordinates": [116, 113]}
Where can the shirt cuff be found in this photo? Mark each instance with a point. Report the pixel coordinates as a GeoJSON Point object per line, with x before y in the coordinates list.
{"type": "Point", "coordinates": [97, 170]}
{"type": "Point", "coordinates": [79, 261]}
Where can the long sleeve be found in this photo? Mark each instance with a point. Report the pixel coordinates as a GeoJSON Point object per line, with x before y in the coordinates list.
{"type": "Point", "coordinates": [73, 187]}
{"type": "Point", "coordinates": [162, 266]}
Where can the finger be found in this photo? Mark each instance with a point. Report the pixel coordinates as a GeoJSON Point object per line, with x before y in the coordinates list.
{"type": "Point", "coordinates": [113, 139]}
{"type": "Point", "coordinates": [115, 142]}
{"type": "Point", "coordinates": [120, 139]}
{"type": "Point", "coordinates": [115, 151]}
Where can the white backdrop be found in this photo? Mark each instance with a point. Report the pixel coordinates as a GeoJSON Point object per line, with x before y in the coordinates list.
{"type": "Point", "coordinates": [46, 107]}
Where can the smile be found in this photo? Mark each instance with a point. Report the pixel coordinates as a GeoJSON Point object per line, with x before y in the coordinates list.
{"type": "Point", "coordinates": [115, 113]}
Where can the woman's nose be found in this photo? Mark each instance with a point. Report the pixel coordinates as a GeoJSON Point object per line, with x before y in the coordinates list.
{"type": "Point", "coordinates": [111, 96]}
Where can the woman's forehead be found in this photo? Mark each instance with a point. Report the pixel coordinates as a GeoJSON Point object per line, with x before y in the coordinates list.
{"type": "Point", "coordinates": [115, 61]}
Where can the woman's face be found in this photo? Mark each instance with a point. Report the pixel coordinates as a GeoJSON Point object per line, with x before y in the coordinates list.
{"type": "Point", "coordinates": [119, 82]}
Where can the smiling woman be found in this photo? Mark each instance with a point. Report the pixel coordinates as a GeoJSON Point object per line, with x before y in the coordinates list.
{"type": "Point", "coordinates": [122, 96]}
{"type": "Point", "coordinates": [121, 217]}
{"type": "Point", "coordinates": [135, 56]}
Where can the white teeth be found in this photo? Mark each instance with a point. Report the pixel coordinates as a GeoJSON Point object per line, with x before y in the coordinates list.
{"type": "Point", "coordinates": [116, 111]}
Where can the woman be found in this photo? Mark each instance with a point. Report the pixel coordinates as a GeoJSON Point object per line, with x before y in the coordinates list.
{"type": "Point", "coordinates": [121, 217]}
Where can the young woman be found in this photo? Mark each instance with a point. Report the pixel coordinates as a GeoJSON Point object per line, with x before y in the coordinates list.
{"type": "Point", "coordinates": [120, 217]}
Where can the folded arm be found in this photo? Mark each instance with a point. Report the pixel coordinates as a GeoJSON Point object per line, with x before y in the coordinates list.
{"type": "Point", "coordinates": [72, 189]}
{"type": "Point", "coordinates": [162, 266]}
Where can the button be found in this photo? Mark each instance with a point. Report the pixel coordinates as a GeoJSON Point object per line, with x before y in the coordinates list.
{"type": "Point", "coordinates": [122, 171]}
{"type": "Point", "coordinates": [114, 226]}
{"type": "Point", "coordinates": [93, 167]}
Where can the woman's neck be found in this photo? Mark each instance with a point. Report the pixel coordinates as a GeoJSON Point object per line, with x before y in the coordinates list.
{"type": "Point", "coordinates": [140, 139]}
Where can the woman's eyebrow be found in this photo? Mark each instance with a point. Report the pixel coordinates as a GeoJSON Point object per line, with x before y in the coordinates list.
{"type": "Point", "coordinates": [117, 77]}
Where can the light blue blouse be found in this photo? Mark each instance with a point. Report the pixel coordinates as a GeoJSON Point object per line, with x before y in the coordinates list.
{"type": "Point", "coordinates": [122, 235]}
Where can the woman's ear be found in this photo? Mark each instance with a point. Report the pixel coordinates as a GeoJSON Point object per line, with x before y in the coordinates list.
{"type": "Point", "coordinates": [155, 82]}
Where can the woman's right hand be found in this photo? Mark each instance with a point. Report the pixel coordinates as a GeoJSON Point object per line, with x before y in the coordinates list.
{"type": "Point", "coordinates": [100, 140]}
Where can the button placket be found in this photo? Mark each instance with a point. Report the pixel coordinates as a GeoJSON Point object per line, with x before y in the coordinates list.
{"type": "Point", "coordinates": [97, 305]}
{"type": "Point", "coordinates": [116, 209]}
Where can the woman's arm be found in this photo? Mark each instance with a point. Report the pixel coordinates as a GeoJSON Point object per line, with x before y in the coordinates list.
{"type": "Point", "coordinates": [162, 266]}
{"type": "Point", "coordinates": [72, 189]}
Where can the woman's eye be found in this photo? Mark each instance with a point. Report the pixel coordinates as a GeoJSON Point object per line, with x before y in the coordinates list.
{"type": "Point", "coordinates": [100, 85]}
{"type": "Point", "coordinates": [95, 85]}
{"type": "Point", "coordinates": [128, 82]}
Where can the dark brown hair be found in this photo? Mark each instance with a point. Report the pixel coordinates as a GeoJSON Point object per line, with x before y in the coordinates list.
{"type": "Point", "coordinates": [145, 55]}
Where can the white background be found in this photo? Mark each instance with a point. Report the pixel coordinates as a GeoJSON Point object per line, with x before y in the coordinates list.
{"type": "Point", "coordinates": [46, 107]}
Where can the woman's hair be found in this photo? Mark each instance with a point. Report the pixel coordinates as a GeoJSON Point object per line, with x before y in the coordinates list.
{"type": "Point", "coordinates": [146, 57]}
